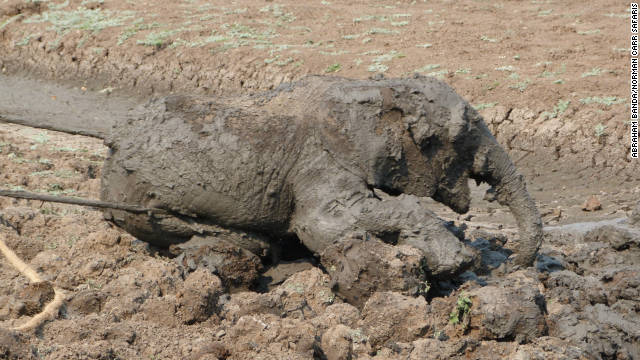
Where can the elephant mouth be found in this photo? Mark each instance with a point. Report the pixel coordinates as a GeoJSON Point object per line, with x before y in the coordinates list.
{"type": "Point", "coordinates": [456, 194]}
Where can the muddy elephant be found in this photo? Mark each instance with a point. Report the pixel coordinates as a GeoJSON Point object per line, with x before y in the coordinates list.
{"type": "Point", "coordinates": [320, 159]}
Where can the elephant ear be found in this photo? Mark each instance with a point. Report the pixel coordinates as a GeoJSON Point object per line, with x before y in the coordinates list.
{"type": "Point", "coordinates": [434, 120]}
{"type": "Point", "coordinates": [420, 129]}
{"type": "Point", "coordinates": [355, 128]}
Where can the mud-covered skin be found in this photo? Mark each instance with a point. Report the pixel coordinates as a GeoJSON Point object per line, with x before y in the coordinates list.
{"type": "Point", "coordinates": [306, 158]}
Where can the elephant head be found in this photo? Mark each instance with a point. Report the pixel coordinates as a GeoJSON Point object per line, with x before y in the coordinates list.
{"type": "Point", "coordinates": [417, 136]}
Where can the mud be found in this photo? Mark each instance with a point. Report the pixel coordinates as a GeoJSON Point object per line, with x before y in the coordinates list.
{"type": "Point", "coordinates": [131, 300]}
{"type": "Point", "coordinates": [548, 78]}
{"type": "Point", "coordinates": [128, 302]}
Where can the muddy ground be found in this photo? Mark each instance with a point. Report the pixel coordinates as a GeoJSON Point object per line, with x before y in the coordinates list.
{"type": "Point", "coordinates": [549, 77]}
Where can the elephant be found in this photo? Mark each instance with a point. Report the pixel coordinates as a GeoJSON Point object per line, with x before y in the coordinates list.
{"type": "Point", "coordinates": [320, 159]}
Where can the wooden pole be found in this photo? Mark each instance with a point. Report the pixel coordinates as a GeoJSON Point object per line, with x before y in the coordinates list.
{"type": "Point", "coordinates": [78, 201]}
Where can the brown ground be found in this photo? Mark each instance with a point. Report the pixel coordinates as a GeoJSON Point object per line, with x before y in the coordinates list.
{"type": "Point", "coordinates": [551, 78]}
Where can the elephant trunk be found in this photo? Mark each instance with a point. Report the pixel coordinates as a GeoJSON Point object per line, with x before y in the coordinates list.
{"type": "Point", "coordinates": [492, 165]}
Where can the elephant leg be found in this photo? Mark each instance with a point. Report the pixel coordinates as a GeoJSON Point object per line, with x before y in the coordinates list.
{"type": "Point", "coordinates": [402, 220]}
{"type": "Point", "coordinates": [335, 207]}
{"type": "Point", "coordinates": [367, 243]}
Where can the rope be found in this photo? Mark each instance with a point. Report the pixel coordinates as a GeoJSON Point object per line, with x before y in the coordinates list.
{"type": "Point", "coordinates": [50, 311]}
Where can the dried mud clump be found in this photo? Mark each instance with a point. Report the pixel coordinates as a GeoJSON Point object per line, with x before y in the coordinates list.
{"type": "Point", "coordinates": [198, 300]}
{"type": "Point", "coordinates": [508, 311]}
{"type": "Point", "coordinates": [236, 267]}
{"type": "Point", "coordinates": [35, 296]}
{"type": "Point", "coordinates": [360, 267]}
{"type": "Point", "coordinates": [391, 317]}
{"type": "Point", "coordinates": [304, 295]}
{"type": "Point", "coordinates": [13, 346]}
{"type": "Point", "coordinates": [337, 314]}
{"type": "Point", "coordinates": [337, 343]}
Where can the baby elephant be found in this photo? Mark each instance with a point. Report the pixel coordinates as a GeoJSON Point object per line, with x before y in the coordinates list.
{"type": "Point", "coordinates": [323, 158]}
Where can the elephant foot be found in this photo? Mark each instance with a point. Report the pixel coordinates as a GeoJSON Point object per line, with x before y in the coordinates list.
{"type": "Point", "coordinates": [444, 253]}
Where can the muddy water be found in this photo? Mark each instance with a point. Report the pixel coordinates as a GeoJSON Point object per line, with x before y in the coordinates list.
{"type": "Point", "coordinates": [59, 107]}
{"type": "Point", "coordinates": [583, 227]}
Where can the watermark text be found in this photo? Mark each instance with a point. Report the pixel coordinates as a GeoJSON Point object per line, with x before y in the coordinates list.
{"type": "Point", "coordinates": [633, 82]}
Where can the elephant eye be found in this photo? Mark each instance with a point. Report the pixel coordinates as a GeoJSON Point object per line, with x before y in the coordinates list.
{"type": "Point", "coordinates": [430, 145]}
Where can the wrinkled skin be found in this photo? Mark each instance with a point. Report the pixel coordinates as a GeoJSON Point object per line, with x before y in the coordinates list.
{"type": "Point", "coordinates": [321, 158]}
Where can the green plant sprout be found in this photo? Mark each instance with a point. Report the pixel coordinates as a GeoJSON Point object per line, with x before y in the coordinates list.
{"type": "Point", "coordinates": [333, 68]}
{"type": "Point", "coordinates": [463, 307]}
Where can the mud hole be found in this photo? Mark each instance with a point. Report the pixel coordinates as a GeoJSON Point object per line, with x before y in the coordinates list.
{"type": "Point", "coordinates": [128, 300]}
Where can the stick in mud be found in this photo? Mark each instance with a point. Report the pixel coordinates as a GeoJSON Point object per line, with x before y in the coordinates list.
{"type": "Point", "coordinates": [78, 201]}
